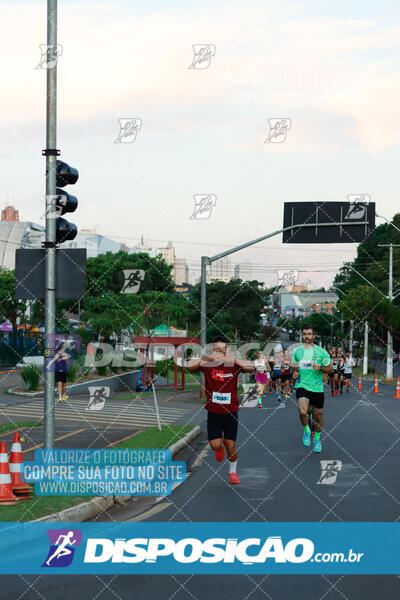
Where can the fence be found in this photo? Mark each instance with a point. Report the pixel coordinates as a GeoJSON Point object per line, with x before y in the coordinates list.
{"type": "Point", "coordinates": [15, 345]}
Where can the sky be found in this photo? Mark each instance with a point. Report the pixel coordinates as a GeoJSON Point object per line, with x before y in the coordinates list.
{"type": "Point", "coordinates": [330, 68]}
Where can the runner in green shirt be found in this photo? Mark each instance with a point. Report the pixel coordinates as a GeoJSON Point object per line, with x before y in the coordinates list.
{"type": "Point", "coordinates": [309, 362]}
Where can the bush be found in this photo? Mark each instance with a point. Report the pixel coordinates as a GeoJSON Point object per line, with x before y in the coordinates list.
{"type": "Point", "coordinates": [102, 371]}
{"type": "Point", "coordinates": [31, 375]}
{"type": "Point", "coordinates": [86, 335]}
{"type": "Point", "coordinates": [80, 365]}
{"type": "Point", "coordinates": [161, 366]}
{"type": "Point", "coordinates": [72, 373]}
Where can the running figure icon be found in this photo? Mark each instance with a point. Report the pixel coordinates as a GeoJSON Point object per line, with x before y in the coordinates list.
{"type": "Point", "coordinates": [62, 550]}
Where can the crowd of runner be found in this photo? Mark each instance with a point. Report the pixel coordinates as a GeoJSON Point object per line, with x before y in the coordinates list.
{"type": "Point", "coordinates": [305, 370]}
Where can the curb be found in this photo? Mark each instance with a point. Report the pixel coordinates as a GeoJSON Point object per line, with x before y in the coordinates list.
{"type": "Point", "coordinates": [98, 504]}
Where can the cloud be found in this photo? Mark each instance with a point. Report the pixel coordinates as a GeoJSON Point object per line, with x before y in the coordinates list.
{"type": "Point", "coordinates": [116, 62]}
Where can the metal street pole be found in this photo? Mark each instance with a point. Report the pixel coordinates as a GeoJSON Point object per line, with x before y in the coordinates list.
{"type": "Point", "coordinates": [351, 337]}
{"type": "Point", "coordinates": [206, 260]}
{"type": "Point", "coordinates": [365, 361]}
{"type": "Point", "coordinates": [51, 166]}
{"type": "Point", "coordinates": [389, 363]}
{"type": "Point", "coordinates": [389, 345]}
{"type": "Point", "coordinates": [203, 316]}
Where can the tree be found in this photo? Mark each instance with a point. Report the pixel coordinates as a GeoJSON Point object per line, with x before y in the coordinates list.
{"type": "Point", "coordinates": [360, 301]}
{"type": "Point", "coordinates": [233, 309]}
{"type": "Point", "coordinates": [10, 307]}
{"type": "Point", "coordinates": [107, 309]}
{"type": "Point", "coordinates": [371, 306]}
{"type": "Point", "coordinates": [372, 261]}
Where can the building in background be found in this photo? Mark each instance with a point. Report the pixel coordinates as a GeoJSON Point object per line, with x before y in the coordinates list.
{"type": "Point", "coordinates": [180, 269]}
{"type": "Point", "coordinates": [302, 286]}
{"type": "Point", "coordinates": [9, 213]}
{"type": "Point", "coordinates": [291, 304]}
{"type": "Point", "coordinates": [219, 270]}
{"type": "Point", "coordinates": [16, 234]}
{"type": "Point", "coordinates": [243, 271]}
{"type": "Point", "coordinates": [168, 253]}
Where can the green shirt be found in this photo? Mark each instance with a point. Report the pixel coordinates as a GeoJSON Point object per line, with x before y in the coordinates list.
{"type": "Point", "coordinates": [305, 358]}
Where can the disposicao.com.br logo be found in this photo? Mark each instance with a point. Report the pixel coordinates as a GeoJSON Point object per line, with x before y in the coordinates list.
{"type": "Point", "coordinates": [248, 551]}
{"type": "Point", "coordinates": [62, 547]}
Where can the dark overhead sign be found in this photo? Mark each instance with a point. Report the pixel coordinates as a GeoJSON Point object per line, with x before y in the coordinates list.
{"type": "Point", "coordinates": [30, 273]}
{"type": "Point", "coordinates": [328, 222]}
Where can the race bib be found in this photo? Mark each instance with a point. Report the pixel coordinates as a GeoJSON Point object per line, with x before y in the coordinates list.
{"type": "Point", "coordinates": [220, 398]}
{"type": "Point", "coordinates": [306, 364]}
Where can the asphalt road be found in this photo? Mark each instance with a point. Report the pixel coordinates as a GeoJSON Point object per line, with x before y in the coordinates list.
{"type": "Point", "coordinates": [77, 427]}
{"type": "Point", "coordinates": [279, 483]}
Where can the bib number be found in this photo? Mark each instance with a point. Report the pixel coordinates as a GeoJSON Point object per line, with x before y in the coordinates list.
{"type": "Point", "coordinates": [306, 364]}
{"type": "Point", "coordinates": [220, 398]}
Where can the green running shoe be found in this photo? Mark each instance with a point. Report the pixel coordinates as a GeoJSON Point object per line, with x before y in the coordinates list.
{"type": "Point", "coordinates": [317, 446]}
{"type": "Point", "coordinates": [306, 439]}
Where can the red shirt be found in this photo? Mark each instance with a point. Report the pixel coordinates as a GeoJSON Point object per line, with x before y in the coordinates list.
{"type": "Point", "coordinates": [221, 388]}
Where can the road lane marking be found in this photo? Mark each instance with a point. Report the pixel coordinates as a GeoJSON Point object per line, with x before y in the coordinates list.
{"type": "Point", "coordinates": [62, 437]}
{"type": "Point", "coordinates": [199, 459]}
{"type": "Point", "coordinates": [127, 437]}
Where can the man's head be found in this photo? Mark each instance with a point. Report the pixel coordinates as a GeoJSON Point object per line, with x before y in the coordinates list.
{"type": "Point", "coordinates": [308, 335]}
{"type": "Point", "coordinates": [220, 344]}
{"type": "Point", "coordinates": [348, 354]}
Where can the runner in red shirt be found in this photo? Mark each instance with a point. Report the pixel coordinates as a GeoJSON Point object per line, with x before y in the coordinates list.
{"type": "Point", "coordinates": [221, 377]}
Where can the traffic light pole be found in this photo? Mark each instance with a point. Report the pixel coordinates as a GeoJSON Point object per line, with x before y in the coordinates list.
{"type": "Point", "coordinates": [50, 281]}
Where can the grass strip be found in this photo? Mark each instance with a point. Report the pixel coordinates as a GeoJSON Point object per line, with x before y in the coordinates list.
{"type": "Point", "coordinates": [152, 438]}
{"type": "Point", "coordinates": [39, 506]}
{"type": "Point", "coordinates": [19, 425]}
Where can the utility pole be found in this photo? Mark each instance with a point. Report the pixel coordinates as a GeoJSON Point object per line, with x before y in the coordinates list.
{"type": "Point", "coordinates": [389, 345]}
{"type": "Point", "coordinates": [351, 338]}
{"type": "Point", "coordinates": [365, 361]}
{"type": "Point", "coordinates": [389, 363]}
{"type": "Point", "coordinates": [50, 236]}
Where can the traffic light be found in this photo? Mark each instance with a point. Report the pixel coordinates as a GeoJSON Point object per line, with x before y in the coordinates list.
{"type": "Point", "coordinates": [65, 202]}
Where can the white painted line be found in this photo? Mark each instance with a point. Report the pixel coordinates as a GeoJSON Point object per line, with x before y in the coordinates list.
{"type": "Point", "coordinates": [199, 459]}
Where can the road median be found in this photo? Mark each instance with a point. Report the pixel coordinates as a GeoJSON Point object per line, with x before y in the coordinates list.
{"type": "Point", "coordinates": [73, 508]}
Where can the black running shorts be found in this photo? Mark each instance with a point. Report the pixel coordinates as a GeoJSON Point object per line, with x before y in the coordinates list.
{"type": "Point", "coordinates": [61, 377]}
{"type": "Point", "coordinates": [316, 398]}
{"type": "Point", "coordinates": [222, 423]}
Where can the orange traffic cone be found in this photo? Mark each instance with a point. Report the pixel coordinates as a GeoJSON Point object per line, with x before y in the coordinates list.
{"type": "Point", "coordinates": [6, 494]}
{"type": "Point", "coordinates": [376, 386]}
{"type": "Point", "coordinates": [359, 384]}
{"type": "Point", "coordinates": [397, 392]}
{"type": "Point", "coordinates": [21, 488]}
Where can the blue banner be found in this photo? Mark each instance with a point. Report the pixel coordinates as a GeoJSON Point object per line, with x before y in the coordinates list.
{"type": "Point", "coordinates": [200, 548]}
{"type": "Point", "coordinates": [77, 472]}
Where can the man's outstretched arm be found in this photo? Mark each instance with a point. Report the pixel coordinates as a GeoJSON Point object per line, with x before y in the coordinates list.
{"type": "Point", "coordinates": [245, 365]}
